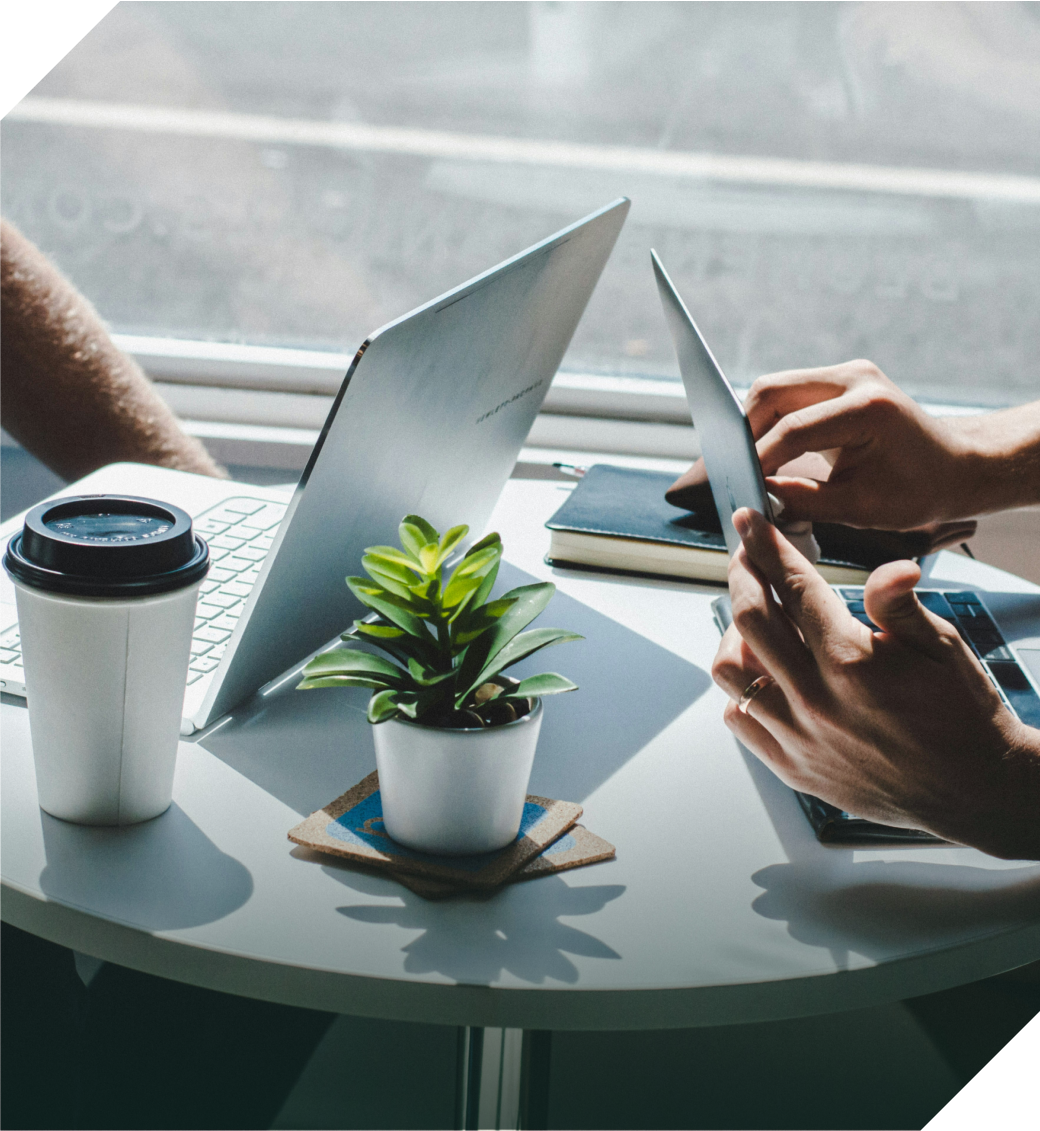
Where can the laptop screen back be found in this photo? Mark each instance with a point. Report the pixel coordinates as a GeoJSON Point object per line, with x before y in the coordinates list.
{"type": "Point", "coordinates": [429, 420]}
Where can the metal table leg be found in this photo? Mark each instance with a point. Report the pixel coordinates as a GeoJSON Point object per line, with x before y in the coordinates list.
{"type": "Point", "coordinates": [502, 1081]}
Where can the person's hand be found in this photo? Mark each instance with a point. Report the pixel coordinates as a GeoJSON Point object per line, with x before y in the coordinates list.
{"type": "Point", "coordinates": [901, 726]}
{"type": "Point", "coordinates": [894, 467]}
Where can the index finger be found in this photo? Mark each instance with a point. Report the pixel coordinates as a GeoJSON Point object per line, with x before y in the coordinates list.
{"type": "Point", "coordinates": [775, 395]}
{"type": "Point", "coordinates": [764, 626]}
{"type": "Point", "coordinates": [805, 597]}
{"type": "Point", "coordinates": [840, 422]}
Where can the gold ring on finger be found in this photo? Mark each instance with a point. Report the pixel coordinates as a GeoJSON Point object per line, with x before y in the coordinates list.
{"type": "Point", "coordinates": [752, 689]}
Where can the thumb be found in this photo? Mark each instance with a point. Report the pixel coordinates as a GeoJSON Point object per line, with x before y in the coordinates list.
{"type": "Point", "coordinates": [892, 605]}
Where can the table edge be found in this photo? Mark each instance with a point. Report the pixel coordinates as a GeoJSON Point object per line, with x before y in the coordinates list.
{"type": "Point", "coordinates": [555, 1007]}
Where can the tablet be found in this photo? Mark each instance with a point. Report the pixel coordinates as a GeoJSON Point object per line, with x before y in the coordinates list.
{"type": "Point", "coordinates": [727, 444]}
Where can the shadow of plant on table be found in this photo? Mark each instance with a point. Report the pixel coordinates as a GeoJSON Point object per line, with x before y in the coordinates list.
{"type": "Point", "coordinates": [517, 931]}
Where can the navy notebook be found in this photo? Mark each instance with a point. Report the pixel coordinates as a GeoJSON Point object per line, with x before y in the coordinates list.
{"type": "Point", "coordinates": [617, 519]}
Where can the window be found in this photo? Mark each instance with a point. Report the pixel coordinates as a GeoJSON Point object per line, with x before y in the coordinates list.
{"type": "Point", "coordinates": [823, 181]}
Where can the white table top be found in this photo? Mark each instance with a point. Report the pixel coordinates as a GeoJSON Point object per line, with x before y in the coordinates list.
{"type": "Point", "coordinates": [720, 907]}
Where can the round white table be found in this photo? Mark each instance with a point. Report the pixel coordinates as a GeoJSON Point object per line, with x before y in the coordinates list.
{"type": "Point", "coordinates": [720, 907]}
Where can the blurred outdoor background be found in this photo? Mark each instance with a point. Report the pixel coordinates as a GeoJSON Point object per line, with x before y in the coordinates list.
{"type": "Point", "coordinates": [203, 170]}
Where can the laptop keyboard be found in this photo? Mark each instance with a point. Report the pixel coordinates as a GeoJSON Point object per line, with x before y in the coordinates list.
{"type": "Point", "coordinates": [966, 612]}
{"type": "Point", "coordinates": [240, 532]}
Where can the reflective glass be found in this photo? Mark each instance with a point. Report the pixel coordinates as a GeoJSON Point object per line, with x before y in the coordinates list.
{"type": "Point", "coordinates": [301, 173]}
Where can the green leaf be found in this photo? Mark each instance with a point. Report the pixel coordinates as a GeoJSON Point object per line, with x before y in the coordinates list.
{"type": "Point", "coordinates": [467, 576]}
{"type": "Point", "coordinates": [477, 565]}
{"type": "Point", "coordinates": [429, 557]}
{"type": "Point", "coordinates": [340, 681]}
{"type": "Point", "coordinates": [406, 574]}
{"type": "Point", "coordinates": [422, 674]}
{"type": "Point", "coordinates": [351, 661]}
{"type": "Point", "coordinates": [382, 706]}
{"type": "Point", "coordinates": [497, 608]}
{"type": "Point", "coordinates": [392, 553]}
{"type": "Point", "coordinates": [515, 650]}
{"type": "Point", "coordinates": [407, 704]}
{"type": "Point", "coordinates": [412, 539]}
{"type": "Point", "coordinates": [458, 592]}
{"type": "Point", "coordinates": [529, 601]}
{"type": "Point", "coordinates": [478, 619]}
{"type": "Point", "coordinates": [426, 593]}
{"type": "Point", "coordinates": [460, 599]}
{"type": "Point", "coordinates": [486, 586]}
{"type": "Point", "coordinates": [378, 631]}
{"type": "Point", "coordinates": [395, 642]}
{"type": "Point", "coordinates": [388, 582]}
{"type": "Point", "coordinates": [450, 540]}
{"type": "Point", "coordinates": [548, 683]}
{"type": "Point", "coordinates": [427, 531]}
{"type": "Point", "coordinates": [388, 605]}
{"type": "Point", "coordinates": [492, 539]}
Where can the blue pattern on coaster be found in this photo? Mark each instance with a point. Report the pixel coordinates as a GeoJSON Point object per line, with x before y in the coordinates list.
{"type": "Point", "coordinates": [564, 844]}
{"type": "Point", "coordinates": [363, 825]}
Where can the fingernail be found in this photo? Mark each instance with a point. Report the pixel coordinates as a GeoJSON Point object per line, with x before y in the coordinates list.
{"type": "Point", "coordinates": [776, 504]}
{"type": "Point", "coordinates": [742, 521]}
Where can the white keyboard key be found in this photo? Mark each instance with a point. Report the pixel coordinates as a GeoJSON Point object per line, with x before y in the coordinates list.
{"type": "Point", "coordinates": [216, 635]}
{"type": "Point", "coordinates": [208, 586]}
{"type": "Point", "coordinates": [203, 664]}
{"type": "Point", "coordinates": [271, 515]}
{"type": "Point", "coordinates": [238, 564]}
{"type": "Point", "coordinates": [236, 589]}
{"type": "Point", "coordinates": [219, 574]}
{"type": "Point", "coordinates": [240, 507]}
{"type": "Point", "coordinates": [193, 676]}
{"type": "Point", "coordinates": [226, 622]}
{"type": "Point", "coordinates": [7, 656]}
{"type": "Point", "coordinates": [207, 612]}
{"type": "Point", "coordinates": [210, 526]}
{"type": "Point", "coordinates": [251, 554]}
{"type": "Point", "coordinates": [222, 599]}
{"type": "Point", "coordinates": [226, 542]}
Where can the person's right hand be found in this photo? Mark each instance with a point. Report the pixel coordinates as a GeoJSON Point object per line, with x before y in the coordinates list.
{"type": "Point", "coordinates": [894, 467]}
{"type": "Point", "coordinates": [901, 725]}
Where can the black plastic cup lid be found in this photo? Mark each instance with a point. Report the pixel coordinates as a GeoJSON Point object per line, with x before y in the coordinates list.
{"type": "Point", "coordinates": [107, 546]}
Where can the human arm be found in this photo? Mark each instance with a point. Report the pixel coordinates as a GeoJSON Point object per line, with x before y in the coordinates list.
{"type": "Point", "coordinates": [69, 396]}
{"type": "Point", "coordinates": [901, 726]}
{"type": "Point", "coordinates": [893, 466]}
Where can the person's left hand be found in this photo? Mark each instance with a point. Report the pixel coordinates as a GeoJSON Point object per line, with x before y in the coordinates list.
{"type": "Point", "coordinates": [901, 726]}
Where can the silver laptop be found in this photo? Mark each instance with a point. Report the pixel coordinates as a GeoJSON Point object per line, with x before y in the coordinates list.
{"type": "Point", "coordinates": [727, 445]}
{"type": "Point", "coordinates": [429, 420]}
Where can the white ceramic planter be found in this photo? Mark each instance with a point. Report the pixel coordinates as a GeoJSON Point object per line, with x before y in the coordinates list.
{"type": "Point", "coordinates": [455, 792]}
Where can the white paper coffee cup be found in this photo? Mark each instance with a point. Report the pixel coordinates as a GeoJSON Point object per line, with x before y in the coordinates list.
{"type": "Point", "coordinates": [106, 590]}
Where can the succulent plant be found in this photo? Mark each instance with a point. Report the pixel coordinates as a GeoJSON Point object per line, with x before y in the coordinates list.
{"type": "Point", "coordinates": [447, 644]}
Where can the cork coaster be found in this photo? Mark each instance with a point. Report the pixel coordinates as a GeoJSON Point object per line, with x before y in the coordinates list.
{"type": "Point", "coordinates": [351, 827]}
{"type": "Point", "coordinates": [574, 849]}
